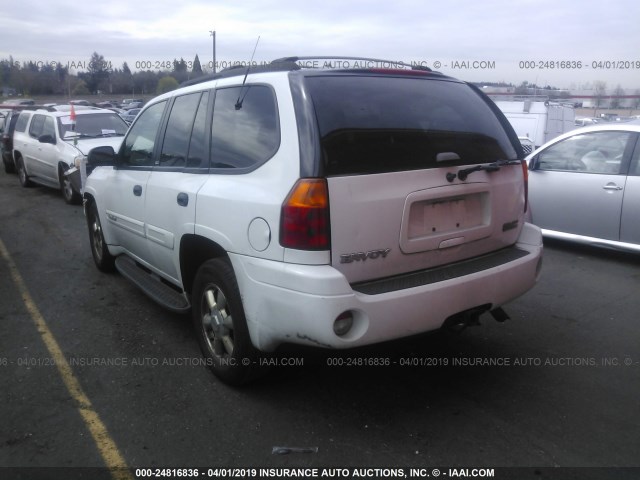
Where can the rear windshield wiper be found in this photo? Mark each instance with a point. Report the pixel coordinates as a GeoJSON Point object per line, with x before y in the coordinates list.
{"type": "Point", "coordinates": [490, 167]}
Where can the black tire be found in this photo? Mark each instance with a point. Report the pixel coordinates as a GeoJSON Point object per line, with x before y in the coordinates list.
{"type": "Point", "coordinates": [220, 324]}
{"type": "Point", "coordinates": [66, 188]}
{"type": "Point", "coordinates": [22, 174]}
{"type": "Point", "coordinates": [101, 256]}
{"type": "Point", "coordinates": [9, 167]}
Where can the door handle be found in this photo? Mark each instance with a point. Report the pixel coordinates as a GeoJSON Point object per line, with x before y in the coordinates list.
{"type": "Point", "coordinates": [137, 190]}
{"type": "Point", "coordinates": [611, 186]}
{"type": "Point", "coordinates": [183, 199]}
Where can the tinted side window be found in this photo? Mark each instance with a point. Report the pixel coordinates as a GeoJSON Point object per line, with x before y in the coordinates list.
{"type": "Point", "coordinates": [595, 152]}
{"type": "Point", "coordinates": [35, 129]}
{"type": "Point", "coordinates": [178, 133]}
{"type": "Point", "coordinates": [137, 149]}
{"type": "Point", "coordinates": [247, 134]}
{"type": "Point", "coordinates": [198, 148]}
{"type": "Point", "coordinates": [377, 124]}
{"type": "Point", "coordinates": [21, 124]}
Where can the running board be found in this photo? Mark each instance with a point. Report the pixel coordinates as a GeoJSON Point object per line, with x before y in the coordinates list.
{"type": "Point", "coordinates": [152, 286]}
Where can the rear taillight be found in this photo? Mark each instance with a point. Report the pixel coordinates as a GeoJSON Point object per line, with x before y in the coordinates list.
{"type": "Point", "coordinates": [304, 220]}
{"type": "Point", "coordinates": [525, 178]}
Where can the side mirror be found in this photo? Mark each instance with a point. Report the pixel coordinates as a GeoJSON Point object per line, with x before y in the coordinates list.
{"type": "Point", "coordinates": [47, 139]}
{"type": "Point", "coordinates": [102, 157]}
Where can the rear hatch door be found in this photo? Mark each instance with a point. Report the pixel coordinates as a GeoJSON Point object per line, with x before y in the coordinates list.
{"type": "Point", "coordinates": [421, 173]}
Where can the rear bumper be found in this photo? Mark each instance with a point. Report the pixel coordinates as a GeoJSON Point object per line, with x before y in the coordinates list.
{"type": "Point", "coordinates": [286, 303]}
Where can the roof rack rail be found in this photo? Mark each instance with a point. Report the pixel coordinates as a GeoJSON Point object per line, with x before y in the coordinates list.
{"type": "Point", "coordinates": [365, 59]}
{"type": "Point", "coordinates": [22, 107]}
{"type": "Point", "coordinates": [236, 70]}
{"type": "Point", "coordinates": [39, 107]}
{"type": "Point", "coordinates": [285, 64]}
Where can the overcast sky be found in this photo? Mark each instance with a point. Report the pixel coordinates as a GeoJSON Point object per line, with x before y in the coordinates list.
{"type": "Point", "coordinates": [499, 33]}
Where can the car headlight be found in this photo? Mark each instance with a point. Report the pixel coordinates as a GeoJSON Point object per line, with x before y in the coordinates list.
{"type": "Point", "coordinates": [77, 161]}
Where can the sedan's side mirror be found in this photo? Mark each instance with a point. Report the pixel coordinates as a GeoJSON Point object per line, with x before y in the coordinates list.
{"type": "Point", "coordinates": [102, 157]}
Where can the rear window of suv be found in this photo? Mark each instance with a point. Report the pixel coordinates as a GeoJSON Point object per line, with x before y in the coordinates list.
{"type": "Point", "coordinates": [376, 124]}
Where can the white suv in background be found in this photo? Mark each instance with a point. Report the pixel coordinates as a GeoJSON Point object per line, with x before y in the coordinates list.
{"type": "Point", "coordinates": [46, 144]}
{"type": "Point", "coordinates": [330, 208]}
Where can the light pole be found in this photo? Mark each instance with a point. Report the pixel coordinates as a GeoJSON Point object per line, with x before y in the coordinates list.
{"type": "Point", "coordinates": [213, 34]}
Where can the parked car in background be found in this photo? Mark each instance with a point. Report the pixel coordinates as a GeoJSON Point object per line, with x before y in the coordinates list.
{"type": "Point", "coordinates": [19, 101]}
{"type": "Point", "coordinates": [609, 117]}
{"type": "Point", "coordinates": [584, 186]}
{"type": "Point", "coordinates": [7, 126]}
{"type": "Point", "coordinates": [127, 101]}
{"type": "Point", "coordinates": [48, 143]}
{"type": "Point", "coordinates": [586, 122]}
{"type": "Point", "coordinates": [132, 105]}
{"type": "Point", "coordinates": [130, 115]}
{"type": "Point", "coordinates": [119, 111]}
{"type": "Point", "coordinates": [328, 208]}
{"type": "Point", "coordinates": [67, 107]}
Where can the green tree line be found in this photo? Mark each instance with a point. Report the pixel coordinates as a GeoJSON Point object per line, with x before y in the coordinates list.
{"type": "Point", "coordinates": [32, 78]}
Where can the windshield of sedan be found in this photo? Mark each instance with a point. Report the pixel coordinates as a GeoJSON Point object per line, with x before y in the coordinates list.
{"type": "Point", "coordinates": [93, 126]}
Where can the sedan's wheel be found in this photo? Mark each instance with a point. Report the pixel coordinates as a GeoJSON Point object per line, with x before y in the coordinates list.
{"type": "Point", "coordinates": [101, 256]}
{"type": "Point", "coordinates": [66, 188]}
{"type": "Point", "coordinates": [220, 324]}
{"type": "Point", "coordinates": [22, 174]}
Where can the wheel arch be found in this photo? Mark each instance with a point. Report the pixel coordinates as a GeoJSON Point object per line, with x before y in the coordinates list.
{"type": "Point", "coordinates": [62, 167]}
{"type": "Point", "coordinates": [21, 166]}
{"type": "Point", "coordinates": [87, 199]}
{"type": "Point", "coordinates": [194, 251]}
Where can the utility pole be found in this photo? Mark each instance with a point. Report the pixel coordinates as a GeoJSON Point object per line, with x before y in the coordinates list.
{"type": "Point", "coordinates": [213, 34]}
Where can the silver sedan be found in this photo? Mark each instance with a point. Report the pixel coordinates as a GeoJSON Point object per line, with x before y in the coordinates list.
{"type": "Point", "coordinates": [584, 186]}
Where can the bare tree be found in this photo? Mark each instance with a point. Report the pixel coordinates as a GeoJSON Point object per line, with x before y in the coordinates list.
{"type": "Point", "coordinates": [599, 92]}
{"type": "Point", "coordinates": [616, 101]}
{"type": "Point", "coordinates": [635, 102]}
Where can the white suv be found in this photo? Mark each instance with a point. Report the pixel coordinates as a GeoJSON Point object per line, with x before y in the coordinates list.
{"type": "Point", "coordinates": [47, 144]}
{"type": "Point", "coordinates": [331, 208]}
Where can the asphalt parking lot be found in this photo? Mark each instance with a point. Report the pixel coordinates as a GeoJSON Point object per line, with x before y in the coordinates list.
{"type": "Point", "coordinates": [556, 386]}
